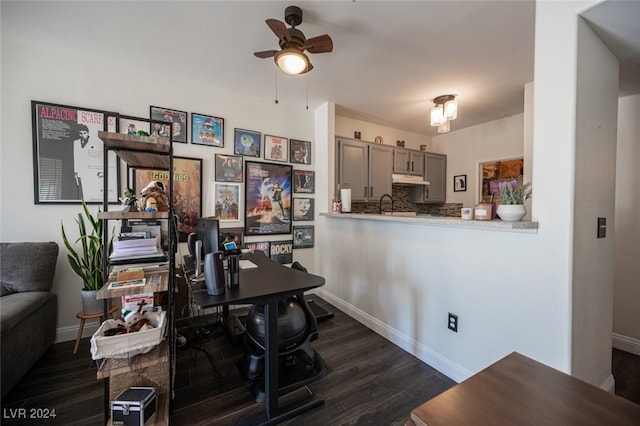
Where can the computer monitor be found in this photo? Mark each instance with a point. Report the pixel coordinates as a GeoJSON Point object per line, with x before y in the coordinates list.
{"type": "Point", "coordinates": [207, 231]}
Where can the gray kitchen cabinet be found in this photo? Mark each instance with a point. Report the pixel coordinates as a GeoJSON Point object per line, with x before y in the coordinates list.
{"type": "Point", "coordinates": [406, 161]}
{"type": "Point", "coordinates": [364, 167]}
{"type": "Point", "coordinates": [436, 174]}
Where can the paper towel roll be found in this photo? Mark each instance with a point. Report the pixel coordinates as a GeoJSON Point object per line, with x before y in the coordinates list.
{"type": "Point", "coordinates": [345, 196]}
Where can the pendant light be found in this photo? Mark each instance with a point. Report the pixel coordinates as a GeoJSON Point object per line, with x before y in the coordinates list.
{"type": "Point", "coordinates": [445, 110]}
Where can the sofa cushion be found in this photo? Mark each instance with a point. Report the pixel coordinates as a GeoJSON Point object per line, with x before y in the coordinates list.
{"type": "Point", "coordinates": [27, 266]}
{"type": "Point", "coordinates": [14, 308]}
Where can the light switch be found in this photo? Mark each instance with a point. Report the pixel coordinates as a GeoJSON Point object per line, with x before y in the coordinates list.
{"type": "Point", "coordinates": [602, 227]}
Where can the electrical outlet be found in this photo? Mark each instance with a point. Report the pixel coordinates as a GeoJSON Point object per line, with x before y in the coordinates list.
{"type": "Point", "coordinates": [453, 322]}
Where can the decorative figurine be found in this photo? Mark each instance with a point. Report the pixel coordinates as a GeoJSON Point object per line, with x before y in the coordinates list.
{"type": "Point", "coordinates": [131, 129]}
{"type": "Point", "coordinates": [154, 198]}
{"type": "Point", "coordinates": [130, 201]}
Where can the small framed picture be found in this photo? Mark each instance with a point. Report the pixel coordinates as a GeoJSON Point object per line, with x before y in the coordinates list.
{"type": "Point", "coordinates": [300, 152]}
{"type": "Point", "coordinates": [303, 236]}
{"type": "Point", "coordinates": [207, 130]}
{"type": "Point", "coordinates": [228, 168]}
{"type": "Point", "coordinates": [227, 202]}
{"type": "Point", "coordinates": [262, 246]}
{"type": "Point", "coordinates": [460, 183]}
{"type": "Point", "coordinates": [246, 142]}
{"type": "Point", "coordinates": [304, 181]}
{"type": "Point", "coordinates": [281, 251]}
{"type": "Point", "coordinates": [177, 120]}
{"type": "Point", "coordinates": [303, 208]}
{"type": "Point", "coordinates": [231, 235]}
{"type": "Point", "coordinates": [276, 148]}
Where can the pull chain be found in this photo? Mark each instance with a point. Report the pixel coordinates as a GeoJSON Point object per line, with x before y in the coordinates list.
{"type": "Point", "coordinates": [276, 100]}
{"type": "Point", "coordinates": [306, 79]}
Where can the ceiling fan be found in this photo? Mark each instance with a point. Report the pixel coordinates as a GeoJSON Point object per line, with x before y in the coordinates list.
{"type": "Point", "coordinates": [291, 58]}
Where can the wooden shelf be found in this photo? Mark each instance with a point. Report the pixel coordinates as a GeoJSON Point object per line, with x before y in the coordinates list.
{"type": "Point", "coordinates": [132, 215]}
{"type": "Point", "coordinates": [163, 272]}
{"type": "Point", "coordinates": [138, 151]}
{"type": "Point", "coordinates": [114, 366]}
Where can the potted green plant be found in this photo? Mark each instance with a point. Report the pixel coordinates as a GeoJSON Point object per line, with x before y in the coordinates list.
{"type": "Point", "coordinates": [512, 198]}
{"type": "Point", "coordinates": [87, 261]}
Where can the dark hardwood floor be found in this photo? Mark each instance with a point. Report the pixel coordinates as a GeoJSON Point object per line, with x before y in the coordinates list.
{"type": "Point", "coordinates": [370, 382]}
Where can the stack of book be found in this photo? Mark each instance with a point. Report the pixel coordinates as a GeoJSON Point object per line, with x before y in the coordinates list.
{"type": "Point", "coordinates": [136, 247]}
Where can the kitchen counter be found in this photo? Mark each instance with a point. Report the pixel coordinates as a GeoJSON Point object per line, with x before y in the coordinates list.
{"type": "Point", "coordinates": [451, 222]}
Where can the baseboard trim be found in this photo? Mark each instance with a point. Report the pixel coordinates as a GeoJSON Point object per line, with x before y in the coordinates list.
{"type": "Point", "coordinates": [625, 343]}
{"type": "Point", "coordinates": [69, 333]}
{"type": "Point", "coordinates": [420, 351]}
{"type": "Point", "coordinates": [609, 384]}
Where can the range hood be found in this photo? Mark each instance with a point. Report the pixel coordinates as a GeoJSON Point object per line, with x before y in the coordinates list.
{"type": "Point", "coordinates": [408, 180]}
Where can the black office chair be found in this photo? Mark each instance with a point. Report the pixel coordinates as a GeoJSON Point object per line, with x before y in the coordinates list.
{"type": "Point", "coordinates": [298, 364]}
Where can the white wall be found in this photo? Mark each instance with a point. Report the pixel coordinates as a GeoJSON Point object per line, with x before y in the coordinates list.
{"type": "Point", "coordinates": [345, 126]}
{"type": "Point", "coordinates": [626, 290]}
{"type": "Point", "coordinates": [30, 73]}
{"type": "Point", "coordinates": [595, 163]}
{"type": "Point", "coordinates": [466, 148]}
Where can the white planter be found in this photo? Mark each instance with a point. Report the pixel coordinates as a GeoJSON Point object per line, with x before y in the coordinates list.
{"type": "Point", "coordinates": [511, 212]}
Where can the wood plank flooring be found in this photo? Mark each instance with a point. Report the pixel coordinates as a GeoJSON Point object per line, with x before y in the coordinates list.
{"type": "Point", "coordinates": [370, 382]}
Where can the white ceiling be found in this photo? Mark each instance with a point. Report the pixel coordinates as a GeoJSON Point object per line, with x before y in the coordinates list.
{"type": "Point", "coordinates": [390, 58]}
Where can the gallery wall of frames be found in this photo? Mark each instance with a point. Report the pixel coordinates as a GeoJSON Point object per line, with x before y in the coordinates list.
{"type": "Point", "coordinates": [264, 193]}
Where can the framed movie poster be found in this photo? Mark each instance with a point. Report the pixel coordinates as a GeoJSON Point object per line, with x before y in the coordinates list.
{"type": "Point", "coordinates": [276, 148]}
{"type": "Point", "coordinates": [303, 208]}
{"type": "Point", "coordinates": [246, 142]}
{"type": "Point", "coordinates": [300, 152]}
{"type": "Point", "coordinates": [68, 156]}
{"type": "Point", "coordinates": [302, 237]}
{"type": "Point", "coordinates": [177, 120]}
{"type": "Point", "coordinates": [227, 202]}
{"type": "Point", "coordinates": [281, 251]}
{"type": "Point", "coordinates": [262, 246]}
{"type": "Point", "coordinates": [267, 198]}
{"type": "Point", "coordinates": [230, 234]}
{"type": "Point", "coordinates": [207, 130]}
{"type": "Point", "coordinates": [187, 190]}
{"type": "Point", "coordinates": [228, 168]}
{"type": "Point", "coordinates": [304, 181]}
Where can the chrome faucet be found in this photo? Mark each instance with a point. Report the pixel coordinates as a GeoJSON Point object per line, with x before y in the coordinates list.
{"type": "Point", "coordinates": [382, 198]}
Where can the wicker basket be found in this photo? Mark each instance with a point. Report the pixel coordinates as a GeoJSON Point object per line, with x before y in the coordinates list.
{"type": "Point", "coordinates": [130, 344]}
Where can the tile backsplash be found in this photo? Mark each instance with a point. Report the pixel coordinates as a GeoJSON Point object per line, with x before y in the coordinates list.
{"type": "Point", "coordinates": [402, 203]}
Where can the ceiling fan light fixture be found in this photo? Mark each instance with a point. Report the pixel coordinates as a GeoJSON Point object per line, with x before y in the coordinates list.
{"type": "Point", "coordinates": [292, 61]}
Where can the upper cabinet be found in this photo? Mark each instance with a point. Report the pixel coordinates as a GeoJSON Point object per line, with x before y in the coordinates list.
{"type": "Point", "coordinates": [364, 167]}
{"type": "Point", "coordinates": [436, 175]}
{"type": "Point", "coordinates": [408, 162]}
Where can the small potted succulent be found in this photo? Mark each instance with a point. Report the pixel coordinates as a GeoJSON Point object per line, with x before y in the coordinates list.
{"type": "Point", "coordinates": [512, 198]}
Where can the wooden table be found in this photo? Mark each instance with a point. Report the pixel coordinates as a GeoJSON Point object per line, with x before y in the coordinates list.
{"type": "Point", "coordinates": [520, 391]}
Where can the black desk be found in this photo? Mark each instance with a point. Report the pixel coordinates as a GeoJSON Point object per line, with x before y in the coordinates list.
{"type": "Point", "coordinates": [268, 284]}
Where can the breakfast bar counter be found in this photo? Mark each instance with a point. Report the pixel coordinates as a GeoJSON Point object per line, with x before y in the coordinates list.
{"type": "Point", "coordinates": [440, 221]}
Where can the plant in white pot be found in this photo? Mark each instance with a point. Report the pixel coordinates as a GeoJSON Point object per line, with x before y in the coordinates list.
{"type": "Point", "coordinates": [87, 261]}
{"type": "Point", "coordinates": [512, 198]}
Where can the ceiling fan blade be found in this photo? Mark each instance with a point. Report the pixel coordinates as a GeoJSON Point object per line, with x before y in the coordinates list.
{"type": "Point", "coordinates": [279, 29]}
{"type": "Point", "coordinates": [320, 44]}
{"type": "Point", "coordinates": [265, 53]}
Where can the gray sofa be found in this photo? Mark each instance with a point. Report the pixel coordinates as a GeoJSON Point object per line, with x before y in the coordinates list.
{"type": "Point", "coordinates": [28, 309]}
